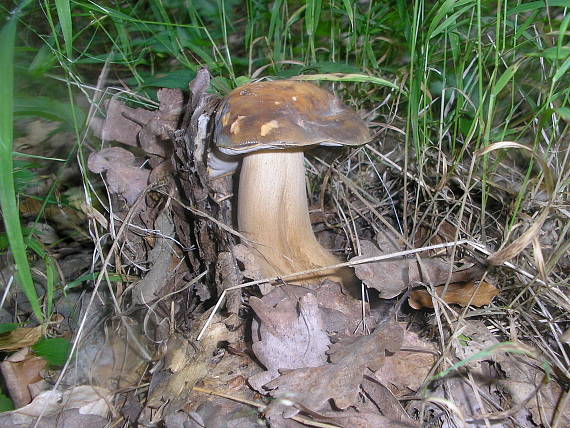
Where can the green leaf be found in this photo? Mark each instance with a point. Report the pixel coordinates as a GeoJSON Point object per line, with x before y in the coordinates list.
{"type": "Point", "coordinates": [450, 20]}
{"type": "Point", "coordinates": [312, 15]}
{"type": "Point", "coordinates": [510, 347]}
{"type": "Point", "coordinates": [3, 242]}
{"type": "Point", "coordinates": [6, 403]}
{"type": "Point", "coordinates": [43, 60]}
{"type": "Point", "coordinates": [174, 79]}
{"type": "Point", "coordinates": [24, 176]}
{"type": "Point", "coordinates": [464, 340]}
{"type": "Point", "coordinates": [8, 326]}
{"type": "Point", "coordinates": [54, 350]}
{"type": "Point", "coordinates": [51, 272]}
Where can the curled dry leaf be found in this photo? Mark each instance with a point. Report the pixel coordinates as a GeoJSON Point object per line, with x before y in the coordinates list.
{"type": "Point", "coordinates": [124, 176]}
{"type": "Point", "coordinates": [462, 294]}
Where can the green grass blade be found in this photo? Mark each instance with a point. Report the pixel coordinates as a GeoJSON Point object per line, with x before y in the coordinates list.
{"type": "Point", "coordinates": [51, 272]}
{"type": "Point", "coordinates": [350, 12]}
{"type": "Point", "coordinates": [562, 70]}
{"type": "Point", "coordinates": [64, 15]}
{"type": "Point", "coordinates": [312, 17]}
{"type": "Point", "coordinates": [347, 77]}
{"type": "Point", "coordinates": [510, 347]}
{"type": "Point", "coordinates": [504, 79]}
{"type": "Point", "coordinates": [8, 203]}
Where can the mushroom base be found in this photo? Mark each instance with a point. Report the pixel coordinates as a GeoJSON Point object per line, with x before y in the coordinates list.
{"type": "Point", "coordinates": [273, 213]}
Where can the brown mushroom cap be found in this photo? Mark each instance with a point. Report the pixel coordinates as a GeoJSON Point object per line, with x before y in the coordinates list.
{"type": "Point", "coordinates": [284, 114]}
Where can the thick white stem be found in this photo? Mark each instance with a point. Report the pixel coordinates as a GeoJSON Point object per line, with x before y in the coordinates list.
{"type": "Point", "coordinates": [273, 213]}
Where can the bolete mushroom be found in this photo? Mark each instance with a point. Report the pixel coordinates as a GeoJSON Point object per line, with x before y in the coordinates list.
{"type": "Point", "coordinates": [271, 124]}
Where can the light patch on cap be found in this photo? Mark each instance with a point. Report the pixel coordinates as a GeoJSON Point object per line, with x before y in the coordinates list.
{"type": "Point", "coordinates": [226, 119]}
{"type": "Point", "coordinates": [234, 129]}
{"type": "Point", "coordinates": [267, 127]}
{"type": "Point", "coordinates": [294, 98]}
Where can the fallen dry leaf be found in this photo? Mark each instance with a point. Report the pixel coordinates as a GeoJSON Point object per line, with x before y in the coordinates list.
{"type": "Point", "coordinates": [20, 370]}
{"type": "Point", "coordinates": [290, 339]}
{"type": "Point", "coordinates": [20, 338]}
{"type": "Point", "coordinates": [387, 276]}
{"type": "Point", "coordinates": [289, 335]}
{"type": "Point", "coordinates": [352, 418]}
{"type": "Point", "coordinates": [88, 400]}
{"type": "Point", "coordinates": [124, 176]}
{"type": "Point", "coordinates": [342, 313]}
{"type": "Point", "coordinates": [382, 400]}
{"type": "Point", "coordinates": [122, 123]}
{"type": "Point", "coordinates": [390, 277]}
{"type": "Point", "coordinates": [368, 351]}
{"type": "Point", "coordinates": [477, 294]}
{"type": "Point", "coordinates": [444, 232]}
{"type": "Point", "coordinates": [406, 370]}
{"type": "Point", "coordinates": [118, 361]}
{"type": "Point", "coordinates": [313, 387]}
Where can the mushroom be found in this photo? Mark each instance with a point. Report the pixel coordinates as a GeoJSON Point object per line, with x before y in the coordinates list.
{"type": "Point", "coordinates": [271, 124]}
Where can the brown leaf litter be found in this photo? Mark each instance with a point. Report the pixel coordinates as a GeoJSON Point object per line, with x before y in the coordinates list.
{"type": "Point", "coordinates": [291, 339]}
{"type": "Point", "coordinates": [318, 362]}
